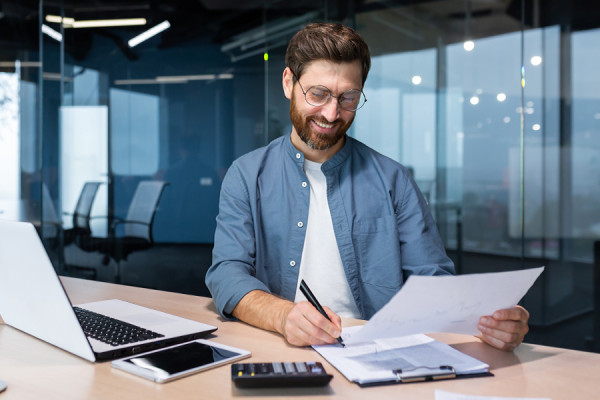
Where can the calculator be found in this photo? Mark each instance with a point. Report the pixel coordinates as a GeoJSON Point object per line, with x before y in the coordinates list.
{"type": "Point", "coordinates": [279, 374]}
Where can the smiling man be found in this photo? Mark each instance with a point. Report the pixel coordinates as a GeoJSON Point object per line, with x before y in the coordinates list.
{"type": "Point", "coordinates": [320, 206]}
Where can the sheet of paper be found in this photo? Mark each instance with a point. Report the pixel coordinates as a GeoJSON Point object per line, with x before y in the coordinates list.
{"type": "Point", "coordinates": [446, 304]}
{"type": "Point", "coordinates": [375, 361]}
{"type": "Point", "coordinates": [443, 395]}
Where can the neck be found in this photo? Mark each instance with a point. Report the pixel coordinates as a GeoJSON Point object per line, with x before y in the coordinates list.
{"type": "Point", "coordinates": [318, 156]}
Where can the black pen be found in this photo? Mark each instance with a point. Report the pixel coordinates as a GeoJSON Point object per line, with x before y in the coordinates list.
{"type": "Point", "coordinates": [313, 300]}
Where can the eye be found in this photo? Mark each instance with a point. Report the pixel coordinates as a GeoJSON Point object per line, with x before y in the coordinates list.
{"type": "Point", "coordinates": [318, 93]}
{"type": "Point", "coordinates": [350, 97]}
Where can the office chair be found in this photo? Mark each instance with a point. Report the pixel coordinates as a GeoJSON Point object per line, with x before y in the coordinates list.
{"type": "Point", "coordinates": [81, 229]}
{"type": "Point", "coordinates": [136, 227]}
{"type": "Point", "coordinates": [81, 233]}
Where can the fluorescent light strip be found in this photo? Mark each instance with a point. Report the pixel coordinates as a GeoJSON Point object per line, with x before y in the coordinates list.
{"type": "Point", "coordinates": [22, 64]}
{"type": "Point", "coordinates": [51, 32]}
{"type": "Point", "coordinates": [55, 76]}
{"type": "Point", "coordinates": [135, 82]}
{"type": "Point", "coordinates": [173, 79]}
{"type": "Point", "coordinates": [149, 33]}
{"type": "Point", "coordinates": [109, 22]}
{"type": "Point", "coordinates": [57, 19]}
{"type": "Point", "coordinates": [177, 78]}
{"type": "Point", "coordinates": [72, 23]}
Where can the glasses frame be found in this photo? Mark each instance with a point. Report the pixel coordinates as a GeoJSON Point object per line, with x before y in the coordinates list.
{"type": "Point", "coordinates": [338, 97]}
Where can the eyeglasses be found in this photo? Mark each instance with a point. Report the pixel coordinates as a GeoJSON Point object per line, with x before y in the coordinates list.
{"type": "Point", "coordinates": [350, 100]}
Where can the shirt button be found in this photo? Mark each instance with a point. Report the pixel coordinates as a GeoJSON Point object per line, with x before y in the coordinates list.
{"type": "Point", "coordinates": [300, 224]}
{"type": "Point", "coordinates": [298, 155]}
{"type": "Point", "coordinates": [304, 184]}
{"type": "Point", "coordinates": [292, 263]}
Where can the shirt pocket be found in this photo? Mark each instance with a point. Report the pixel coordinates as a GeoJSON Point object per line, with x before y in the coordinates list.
{"type": "Point", "coordinates": [378, 248]}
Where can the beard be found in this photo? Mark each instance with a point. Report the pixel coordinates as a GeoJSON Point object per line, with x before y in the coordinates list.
{"type": "Point", "coordinates": [313, 139]}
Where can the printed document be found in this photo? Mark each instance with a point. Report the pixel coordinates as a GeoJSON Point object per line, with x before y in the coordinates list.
{"type": "Point", "coordinates": [445, 304]}
{"type": "Point", "coordinates": [381, 361]}
{"type": "Point", "coordinates": [443, 395]}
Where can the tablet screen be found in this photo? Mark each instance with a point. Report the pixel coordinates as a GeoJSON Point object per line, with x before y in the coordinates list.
{"type": "Point", "coordinates": [181, 358]}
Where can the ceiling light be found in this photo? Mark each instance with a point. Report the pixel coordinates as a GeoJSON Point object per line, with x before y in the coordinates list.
{"type": "Point", "coordinates": [536, 127]}
{"type": "Point", "coordinates": [52, 33]}
{"type": "Point", "coordinates": [185, 78]}
{"type": "Point", "coordinates": [469, 45]}
{"type": "Point", "coordinates": [102, 23]}
{"type": "Point", "coordinates": [68, 22]}
{"type": "Point", "coordinates": [474, 100]}
{"type": "Point", "coordinates": [536, 60]}
{"type": "Point", "coordinates": [149, 33]}
{"type": "Point", "coordinates": [174, 79]}
{"type": "Point", "coordinates": [501, 97]}
{"type": "Point", "coordinates": [99, 23]}
{"type": "Point", "coordinates": [135, 82]}
{"type": "Point", "coordinates": [416, 80]}
{"type": "Point", "coordinates": [20, 64]}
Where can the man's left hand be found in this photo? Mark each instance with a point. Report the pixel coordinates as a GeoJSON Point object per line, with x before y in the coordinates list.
{"type": "Point", "coordinates": [505, 329]}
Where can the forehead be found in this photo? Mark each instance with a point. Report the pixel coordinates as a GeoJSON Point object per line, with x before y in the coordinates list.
{"type": "Point", "coordinates": [344, 75]}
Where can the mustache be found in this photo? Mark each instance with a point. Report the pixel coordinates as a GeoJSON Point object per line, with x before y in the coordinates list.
{"type": "Point", "coordinates": [326, 121]}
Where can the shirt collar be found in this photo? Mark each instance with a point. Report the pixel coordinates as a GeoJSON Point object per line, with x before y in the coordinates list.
{"type": "Point", "coordinates": [334, 162]}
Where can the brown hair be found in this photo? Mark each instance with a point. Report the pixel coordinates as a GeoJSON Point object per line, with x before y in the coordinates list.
{"type": "Point", "coordinates": [326, 41]}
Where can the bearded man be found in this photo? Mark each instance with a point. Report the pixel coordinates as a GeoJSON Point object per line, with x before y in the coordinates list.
{"type": "Point", "coordinates": [319, 206]}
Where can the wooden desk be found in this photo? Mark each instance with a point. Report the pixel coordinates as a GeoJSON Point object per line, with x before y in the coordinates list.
{"type": "Point", "coordinates": [36, 370]}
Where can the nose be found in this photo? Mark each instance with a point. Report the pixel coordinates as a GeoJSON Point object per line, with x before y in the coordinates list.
{"type": "Point", "coordinates": [331, 109]}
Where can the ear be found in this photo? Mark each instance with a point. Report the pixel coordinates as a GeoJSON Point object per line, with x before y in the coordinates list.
{"type": "Point", "coordinates": [288, 82]}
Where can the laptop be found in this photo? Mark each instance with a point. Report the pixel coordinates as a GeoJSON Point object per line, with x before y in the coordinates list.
{"type": "Point", "coordinates": [33, 300]}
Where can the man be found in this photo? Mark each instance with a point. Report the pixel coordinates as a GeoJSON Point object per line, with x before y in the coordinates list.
{"type": "Point", "coordinates": [320, 206]}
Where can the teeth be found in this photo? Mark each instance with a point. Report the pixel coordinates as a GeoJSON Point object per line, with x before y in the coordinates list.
{"type": "Point", "coordinates": [322, 125]}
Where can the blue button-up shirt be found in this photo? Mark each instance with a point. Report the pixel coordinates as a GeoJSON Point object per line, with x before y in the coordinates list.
{"type": "Point", "coordinates": [383, 227]}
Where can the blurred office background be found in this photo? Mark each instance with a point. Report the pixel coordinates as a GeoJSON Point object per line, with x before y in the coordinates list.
{"type": "Point", "coordinates": [494, 104]}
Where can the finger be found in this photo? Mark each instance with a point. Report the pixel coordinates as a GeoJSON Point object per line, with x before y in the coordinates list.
{"type": "Point", "coordinates": [497, 343]}
{"type": "Point", "coordinates": [516, 313]}
{"type": "Point", "coordinates": [504, 325]}
{"type": "Point", "coordinates": [507, 333]}
{"type": "Point", "coordinates": [317, 319]}
{"type": "Point", "coordinates": [302, 327]}
{"type": "Point", "coordinates": [335, 319]}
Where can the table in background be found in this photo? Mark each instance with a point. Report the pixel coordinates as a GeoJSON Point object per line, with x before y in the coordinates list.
{"type": "Point", "coordinates": [34, 369]}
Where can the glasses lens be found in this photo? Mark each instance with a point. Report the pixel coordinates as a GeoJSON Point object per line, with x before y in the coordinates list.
{"type": "Point", "coordinates": [352, 100]}
{"type": "Point", "coordinates": [317, 95]}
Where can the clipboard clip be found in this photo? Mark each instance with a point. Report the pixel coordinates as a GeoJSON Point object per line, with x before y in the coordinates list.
{"type": "Point", "coordinates": [422, 374]}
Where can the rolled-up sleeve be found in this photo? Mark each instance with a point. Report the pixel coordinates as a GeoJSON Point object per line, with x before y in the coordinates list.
{"type": "Point", "coordinates": [233, 272]}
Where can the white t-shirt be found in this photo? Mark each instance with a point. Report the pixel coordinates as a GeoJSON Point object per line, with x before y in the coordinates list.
{"type": "Point", "coordinates": [321, 266]}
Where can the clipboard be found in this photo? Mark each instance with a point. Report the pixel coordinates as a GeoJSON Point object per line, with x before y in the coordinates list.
{"type": "Point", "coordinates": [425, 374]}
{"type": "Point", "coordinates": [421, 358]}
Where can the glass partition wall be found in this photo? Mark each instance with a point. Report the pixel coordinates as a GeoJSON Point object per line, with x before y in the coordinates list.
{"type": "Point", "coordinates": [493, 105]}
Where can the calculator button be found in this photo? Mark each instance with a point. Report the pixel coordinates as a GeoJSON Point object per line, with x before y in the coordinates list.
{"type": "Point", "coordinates": [300, 367]}
{"type": "Point", "coordinates": [289, 367]}
{"type": "Point", "coordinates": [277, 368]}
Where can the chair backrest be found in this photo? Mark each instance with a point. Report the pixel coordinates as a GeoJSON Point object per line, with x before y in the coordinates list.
{"type": "Point", "coordinates": [83, 209]}
{"type": "Point", "coordinates": [142, 209]}
{"type": "Point", "coordinates": [49, 213]}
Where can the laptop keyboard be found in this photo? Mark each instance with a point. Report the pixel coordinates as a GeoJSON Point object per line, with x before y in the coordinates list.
{"type": "Point", "coordinates": [110, 330]}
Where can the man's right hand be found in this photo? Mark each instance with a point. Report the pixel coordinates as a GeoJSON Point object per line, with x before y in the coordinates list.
{"type": "Point", "coordinates": [305, 326]}
{"type": "Point", "coordinates": [301, 324]}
